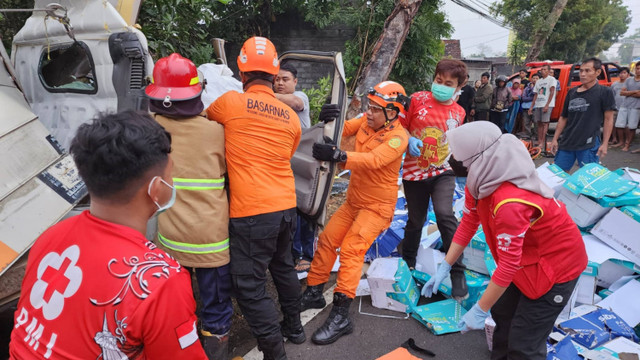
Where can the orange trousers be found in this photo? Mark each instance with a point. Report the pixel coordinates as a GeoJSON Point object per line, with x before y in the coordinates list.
{"type": "Point", "coordinates": [352, 230]}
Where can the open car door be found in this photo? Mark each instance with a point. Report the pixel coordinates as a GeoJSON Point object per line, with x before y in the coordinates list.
{"type": "Point", "coordinates": [314, 178]}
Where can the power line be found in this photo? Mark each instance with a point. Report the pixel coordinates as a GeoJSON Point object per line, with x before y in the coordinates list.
{"type": "Point", "coordinates": [481, 12]}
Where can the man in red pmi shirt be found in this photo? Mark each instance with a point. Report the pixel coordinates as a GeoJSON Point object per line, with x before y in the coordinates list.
{"type": "Point", "coordinates": [94, 286]}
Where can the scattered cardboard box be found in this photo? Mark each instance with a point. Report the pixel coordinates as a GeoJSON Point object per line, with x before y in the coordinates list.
{"type": "Point", "coordinates": [618, 346]}
{"type": "Point", "coordinates": [605, 264]}
{"type": "Point", "coordinates": [441, 317]}
{"type": "Point", "coordinates": [625, 302]}
{"type": "Point", "coordinates": [591, 189]}
{"type": "Point", "coordinates": [552, 175]}
{"type": "Point", "coordinates": [621, 232]}
{"type": "Point", "coordinates": [391, 284]}
{"type": "Point", "coordinates": [596, 328]}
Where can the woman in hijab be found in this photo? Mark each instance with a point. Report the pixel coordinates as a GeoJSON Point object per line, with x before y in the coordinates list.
{"type": "Point", "coordinates": [537, 247]}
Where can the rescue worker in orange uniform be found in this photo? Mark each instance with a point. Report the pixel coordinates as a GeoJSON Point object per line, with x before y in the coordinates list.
{"type": "Point", "coordinates": [195, 231]}
{"type": "Point", "coordinates": [371, 197]}
{"type": "Point", "coordinates": [261, 136]}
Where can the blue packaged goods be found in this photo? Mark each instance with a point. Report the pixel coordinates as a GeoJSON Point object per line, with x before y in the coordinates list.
{"type": "Point", "coordinates": [632, 211]}
{"type": "Point", "coordinates": [387, 242]}
{"type": "Point", "coordinates": [563, 350]}
{"type": "Point", "coordinates": [596, 328]}
{"type": "Point", "coordinates": [441, 317]}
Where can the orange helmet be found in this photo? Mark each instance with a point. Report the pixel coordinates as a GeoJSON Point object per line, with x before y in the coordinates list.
{"type": "Point", "coordinates": [174, 78]}
{"type": "Point", "coordinates": [390, 95]}
{"type": "Point", "coordinates": [258, 54]}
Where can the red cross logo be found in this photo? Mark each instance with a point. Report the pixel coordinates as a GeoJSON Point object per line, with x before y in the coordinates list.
{"type": "Point", "coordinates": [56, 279]}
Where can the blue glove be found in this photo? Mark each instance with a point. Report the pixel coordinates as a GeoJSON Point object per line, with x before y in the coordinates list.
{"type": "Point", "coordinates": [414, 146]}
{"type": "Point", "coordinates": [431, 287]}
{"type": "Point", "coordinates": [473, 319]}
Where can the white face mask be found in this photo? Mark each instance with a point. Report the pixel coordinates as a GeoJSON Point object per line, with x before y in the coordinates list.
{"type": "Point", "coordinates": [171, 201]}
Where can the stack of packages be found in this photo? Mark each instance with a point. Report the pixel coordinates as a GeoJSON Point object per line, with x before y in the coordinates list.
{"type": "Point", "coordinates": [602, 318]}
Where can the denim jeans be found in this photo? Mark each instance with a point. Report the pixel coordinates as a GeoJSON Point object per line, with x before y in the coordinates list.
{"type": "Point", "coordinates": [565, 158]}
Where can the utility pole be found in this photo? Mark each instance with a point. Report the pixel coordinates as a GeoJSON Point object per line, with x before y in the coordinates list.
{"type": "Point", "coordinates": [385, 51]}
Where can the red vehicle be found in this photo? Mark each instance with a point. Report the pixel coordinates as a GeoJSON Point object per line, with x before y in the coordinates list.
{"type": "Point", "coordinates": [569, 77]}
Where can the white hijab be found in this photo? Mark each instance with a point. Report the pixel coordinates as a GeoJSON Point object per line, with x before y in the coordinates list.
{"type": "Point", "coordinates": [493, 158]}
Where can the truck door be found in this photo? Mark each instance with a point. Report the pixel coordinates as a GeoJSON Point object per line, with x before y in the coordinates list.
{"type": "Point", "coordinates": [39, 184]}
{"type": "Point", "coordinates": [314, 178]}
{"type": "Point", "coordinates": [69, 77]}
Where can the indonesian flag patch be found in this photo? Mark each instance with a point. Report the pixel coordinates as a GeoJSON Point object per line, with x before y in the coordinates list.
{"type": "Point", "coordinates": [187, 333]}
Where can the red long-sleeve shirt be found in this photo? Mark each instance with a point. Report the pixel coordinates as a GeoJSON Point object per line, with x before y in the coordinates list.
{"type": "Point", "coordinates": [533, 240]}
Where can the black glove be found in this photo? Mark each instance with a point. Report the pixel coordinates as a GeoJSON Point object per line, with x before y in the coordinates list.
{"type": "Point", "coordinates": [328, 152]}
{"type": "Point", "coordinates": [329, 112]}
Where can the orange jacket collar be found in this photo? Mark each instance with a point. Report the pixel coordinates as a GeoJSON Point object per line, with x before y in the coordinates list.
{"type": "Point", "coordinates": [260, 88]}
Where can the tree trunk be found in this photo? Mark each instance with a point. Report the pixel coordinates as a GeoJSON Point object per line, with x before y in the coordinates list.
{"type": "Point", "coordinates": [385, 51]}
{"type": "Point", "coordinates": [545, 30]}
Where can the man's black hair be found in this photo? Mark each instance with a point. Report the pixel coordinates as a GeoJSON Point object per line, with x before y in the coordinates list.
{"type": "Point", "coordinates": [597, 63]}
{"type": "Point", "coordinates": [290, 68]}
{"type": "Point", "coordinates": [114, 153]}
{"type": "Point", "coordinates": [525, 70]}
{"type": "Point", "coordinates": [486, 74]}
{"type": "Point", "coordinates": [624, 68]}
{"type": "Point", "coordinates": [251, 76]}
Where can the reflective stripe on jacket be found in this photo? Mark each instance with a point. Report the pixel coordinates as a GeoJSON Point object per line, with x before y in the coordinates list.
{"type": "Point", "coordinates": [195, 229]}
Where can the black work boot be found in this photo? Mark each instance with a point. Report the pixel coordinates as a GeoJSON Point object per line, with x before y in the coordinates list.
{"type": "Point", "coordinates": [459, 289]}
{"type": "Point", "coordinates": [272, 346]}
{"type": "Point", "coordinates": [312, 298]}
{"type": "Point", "coordinates": [215, 346]}
{"type": "Point", "coordinates": [337, 324]}
{"type": "Point", "coordinates": [292, 329]}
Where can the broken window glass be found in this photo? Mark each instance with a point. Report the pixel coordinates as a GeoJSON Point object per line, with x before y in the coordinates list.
{"type": "Point", "coordinates": [68, 68]}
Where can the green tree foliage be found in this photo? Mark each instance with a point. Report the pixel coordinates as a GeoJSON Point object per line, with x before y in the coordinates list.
{"type": "Point", "coordinates": [585, 28]}
{"type": "Point", "coordinates": [189, 26]}
{"type": "Point", "coordinates": [10, 23]}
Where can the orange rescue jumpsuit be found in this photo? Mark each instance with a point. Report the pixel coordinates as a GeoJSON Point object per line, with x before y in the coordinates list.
{"type": "Point", "coordinates": [371, 199]}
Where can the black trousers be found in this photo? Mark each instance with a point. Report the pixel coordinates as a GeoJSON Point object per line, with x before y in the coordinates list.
{"type": "Point", "coordinates": [498, 118]}
{"type": "Point", "coordinates": [440, 190]}
{"type": "Point", "coordinates": [523, 325]}
{"type": "Point", "coordinates": [481, 115]}
{"type": "Point", "coordinates": [258, 243]}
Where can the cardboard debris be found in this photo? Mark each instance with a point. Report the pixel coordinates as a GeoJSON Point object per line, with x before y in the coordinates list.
{"type": "Point", "coordinates": [476, 283]}
{"type": "Point", "coordinates": [391, 284]}
{"type": "Point", "coordinates": [596, 328]}
{"type": "Point", "coordinates": [621, 232]}
{"type": "Point", "coordinates": [625, 302]}
{"type": "Point", "coordinates": [441, 317]}
{"type": "Point", "coordinates": [553, 176]}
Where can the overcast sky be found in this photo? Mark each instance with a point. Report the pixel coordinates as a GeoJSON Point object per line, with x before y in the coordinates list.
{"type": "Point", "coordinates": [472, 29]}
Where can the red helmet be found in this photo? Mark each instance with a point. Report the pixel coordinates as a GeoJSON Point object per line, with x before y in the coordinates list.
{"type": "Point", "coordinates": [175, 78]}
{"type": "Point", "coordinates": [390, 95]}
{"type": "Point", "coordinates": [259, 54]}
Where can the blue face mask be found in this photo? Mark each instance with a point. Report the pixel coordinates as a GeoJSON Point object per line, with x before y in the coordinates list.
{"type": "Point", "coordinates": [171, 201]}
{"type": "Point", "coordinates": [442, 93]}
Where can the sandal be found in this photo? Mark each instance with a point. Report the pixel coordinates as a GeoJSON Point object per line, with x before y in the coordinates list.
{"type": "Point", "coordinates": [303, 266]}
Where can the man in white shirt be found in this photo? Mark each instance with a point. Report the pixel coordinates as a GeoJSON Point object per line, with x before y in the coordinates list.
{"type": "Point", "coordinates": [285, 88]}
{"type": "Point", "coordinates": [543, 102]}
